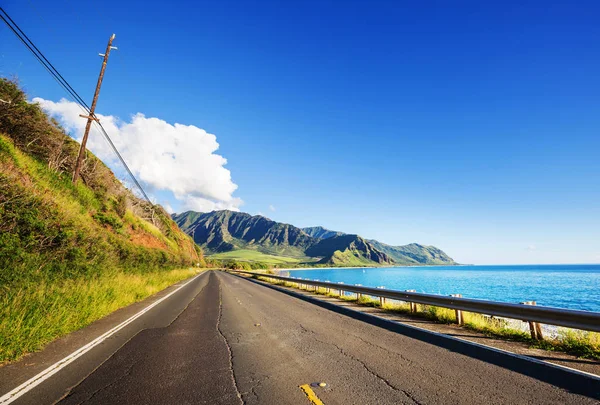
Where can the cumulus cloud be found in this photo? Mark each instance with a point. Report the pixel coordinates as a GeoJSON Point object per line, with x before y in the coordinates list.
{"type": "Point", "coordinates": [271, 208]}
{"type": "Point", "coordinates": [174, 157]}
{"type": "Point", "coordinates": [168, 208]}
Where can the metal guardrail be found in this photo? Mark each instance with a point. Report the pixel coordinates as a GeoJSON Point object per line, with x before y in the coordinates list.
{"type": "Point", "coordinates": [584, 320]}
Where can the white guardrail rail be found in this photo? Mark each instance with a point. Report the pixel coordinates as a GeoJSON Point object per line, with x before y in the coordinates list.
{"type": "Point", "coordinates": [583, 320]}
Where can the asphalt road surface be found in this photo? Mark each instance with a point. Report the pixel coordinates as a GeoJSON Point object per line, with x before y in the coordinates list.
{"type": "Point", "coordinates": [239, 342]}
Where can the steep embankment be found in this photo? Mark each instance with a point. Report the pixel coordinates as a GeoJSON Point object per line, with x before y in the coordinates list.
{"type": "Point", "coordinates": [80, 251]}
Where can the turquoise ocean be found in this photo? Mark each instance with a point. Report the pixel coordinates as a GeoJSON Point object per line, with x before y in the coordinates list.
{"type": "Point", "coordinates": [562, 286]}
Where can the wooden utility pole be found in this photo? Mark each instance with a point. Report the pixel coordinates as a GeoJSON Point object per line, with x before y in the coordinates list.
{"type": "Point", "coordinates": [92, 117]}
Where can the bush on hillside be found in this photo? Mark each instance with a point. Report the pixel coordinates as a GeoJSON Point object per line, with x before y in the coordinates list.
{"type": "Point", "coordinates": [51, 228]}
{"type": "Point", "coordinates": [41, 137]}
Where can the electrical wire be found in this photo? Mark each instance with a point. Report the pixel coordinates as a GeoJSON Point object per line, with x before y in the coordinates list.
{"type": "Point", "coordinates": [41, 55]}
{"type": "Point", "coordinates": [67, 87]}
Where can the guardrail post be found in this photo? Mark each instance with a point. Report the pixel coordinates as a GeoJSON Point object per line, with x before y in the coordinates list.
{"type": "Point", "coordinates": [534, 327]}
{"type": "Point", "coordinates": [358, 295]}
{"type": "Point", "coordinates": [381, 299]}
{"type": "Point", "coordinates": [413, 305]}
{"type": "Point", "coordinates": [458, 312]}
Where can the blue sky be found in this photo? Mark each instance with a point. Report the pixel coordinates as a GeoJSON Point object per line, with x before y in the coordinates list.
{"type": "Point", "coordinates": [470, 126]}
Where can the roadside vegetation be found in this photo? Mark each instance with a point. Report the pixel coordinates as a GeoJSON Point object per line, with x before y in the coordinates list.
{"type": "Point", "coordinates": [35, 314]}
{"type": "Point", "coordinates": [582, 344]}
{"type": "Point", "coordinates": [66, 246]}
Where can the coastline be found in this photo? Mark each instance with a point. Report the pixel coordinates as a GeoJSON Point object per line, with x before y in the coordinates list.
{"type": "Point", "coordinates": [376, 267]}
{"type": "Point", "coordinates": [577, 289]}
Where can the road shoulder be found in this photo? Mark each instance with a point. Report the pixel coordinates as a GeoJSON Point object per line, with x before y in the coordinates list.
{"type": "Point", "coordinates": [14, 374]}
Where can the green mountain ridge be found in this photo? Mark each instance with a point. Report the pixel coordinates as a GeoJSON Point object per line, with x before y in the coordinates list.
{"type": "Point", "coordinates": [414, 253]}
{"type": "Point", "coordinates": [347, 250]}
{"type": "Point", "coordinates": [320, 233]}
{"type": "Point", "coordinates": [223, 231]}
{"type": "Point", "coordinates": [228, 231]}
{"type": "Point", "coordinates": [411, 254]}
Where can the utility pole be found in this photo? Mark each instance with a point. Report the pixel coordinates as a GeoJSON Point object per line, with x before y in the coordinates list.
{"type": "Point", "coordinates": [92, 117]}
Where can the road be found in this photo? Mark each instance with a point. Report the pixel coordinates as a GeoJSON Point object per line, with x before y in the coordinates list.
{"type": "Point", "coordinates": [239, 342]}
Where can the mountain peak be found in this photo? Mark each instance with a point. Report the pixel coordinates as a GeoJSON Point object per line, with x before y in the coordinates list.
{"type": "Point", "coordinates": [321, 233]}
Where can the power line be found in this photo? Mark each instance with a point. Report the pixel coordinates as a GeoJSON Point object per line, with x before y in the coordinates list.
{"type": "Point", "coordinates": [67, 87]}
{"type": "Point", "coordinates": [41, 55]}
{"type": "Point", "coordinates": [114, 148]}
{"type": "Point", "coordinates": [40, 60]}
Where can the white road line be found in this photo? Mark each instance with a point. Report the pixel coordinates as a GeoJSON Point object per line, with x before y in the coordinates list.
{"type": "Point", "coordinates": [59, 365]}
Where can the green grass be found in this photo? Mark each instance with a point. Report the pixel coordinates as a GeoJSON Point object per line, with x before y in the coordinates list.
{"type": "Point", "coordinates": [254, 256]}
{"type": "Point", "coordinates": [582, 344]}
{"type": "Point", "coordinates": [35, 314]}
{"type": "Point", "coordinates": [349, 258]}
{"type": "Point", "coordinates": [71, 253]}
{"type": "Point", "coordinates": [51, 229]}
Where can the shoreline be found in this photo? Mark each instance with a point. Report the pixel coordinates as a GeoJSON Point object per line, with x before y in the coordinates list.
{"type": "Point", "coordinates": [438, 265]}
{"type": "Point", "coordinates": [377, 267]}
{"type": "Point", "coordinates": [442, 280]}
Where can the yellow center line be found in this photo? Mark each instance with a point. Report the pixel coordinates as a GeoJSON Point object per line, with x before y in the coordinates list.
{"type": "Point", "coordinates": [312, 397]}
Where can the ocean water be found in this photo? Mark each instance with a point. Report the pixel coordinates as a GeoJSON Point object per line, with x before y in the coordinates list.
{"type": "Point", "coordinates": [562, 286]}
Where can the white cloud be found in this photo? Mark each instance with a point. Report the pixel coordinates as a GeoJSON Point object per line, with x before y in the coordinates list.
{"type": "Point", "coordinates": [531, 248]}
{"type": "Point", "coordinates": [178, 158]}
{"type": "Point", "coordinates": [168, 208]}
{"type": "Point", "coordinates": [271, 207]}
{"type": "Point", "coordinates": [205, 205]}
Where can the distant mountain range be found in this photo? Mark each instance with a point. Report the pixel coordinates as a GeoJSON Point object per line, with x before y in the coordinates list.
{"type": "Point", "coordinates": [226, 231]}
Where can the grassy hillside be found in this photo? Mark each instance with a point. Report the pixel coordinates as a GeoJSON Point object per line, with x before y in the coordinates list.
{"type": "Point", "coordinates": [255, 256]}
{"type": "Point", "coordinates": [347, 250]}
{"type": "Point", "coordinates": [56, 236]}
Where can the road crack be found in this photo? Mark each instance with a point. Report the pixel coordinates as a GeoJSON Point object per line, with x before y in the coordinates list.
{"type": "Point", "coordinates": [363, 364]}
{"type": "Point", "coordinates": [127, 373]}
{"type": "Point", "coordinates": [392, 352]}
{"type": "Point", "coordinates": [255, 383]}
{"type": "Point", "coordinates": [233, 379]}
